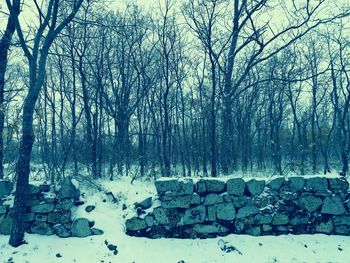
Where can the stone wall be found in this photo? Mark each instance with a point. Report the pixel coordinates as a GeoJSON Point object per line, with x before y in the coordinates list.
{"type": "Point", "coordinates": [209, 207]}
{"type": "Point", "coordinates": [48, 211]}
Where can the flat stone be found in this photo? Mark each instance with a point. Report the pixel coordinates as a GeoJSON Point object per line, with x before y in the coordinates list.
{"type": "Point", "coordinates": [173, 186]}
{"type": "Point", "coordinates": [338, 184]}
{"type": "Point", "coordinates": [276, 184]}
{"type": "Point", "coordinates": [325, 227]}
{"type": "Point", "coordinates": [310, 203]}
{"type": "Point", "coordinates": [299, 220]}
{"type": "Point", "coordinates": [5, 188]}
{"type": "Point", "coordinates": [135, 224]}
{"type": "Point", "coordinates": [316, 184]}
{"type": "Point", "coordinates": [263, 219]}
{"type": "Point", "coordinates": [144, 204]}
{"type": "Point", "coordinates": [41, 228]}
{"type": "Point", "coordinates": [296, 183]}
{"type": "Point", "coordinates": [80, 228]}
{"type": "Point", "coordinates": [196, 199]}
{"type": "Point", "coordinates": [280, 219]}
{"type": "Point", "coordinates": [41, 217]}
{"type": "Point", "coordinates": [255, 187]}
{"type": "Point", "coordinates": [235, 186]}
{"type": "Point", "coordinates": [253, 231]}
{"type": "Point", "coordinates": [215, 186]}
{"type": "Point", "coordinates": [178, 202]}
{"type": "Point", "coordinates": [333, 206]}
{"type": "Point", "coordinates": [42, 208]}
{"type": "Point", "coordinates": [212, 199]}
{"type": "Point", "coordinates": [68, 189]}
{"type": "Point", "coordinates": [61, 231]}
{"type": "Point", "coordinates": [247, 211]}
{"type": "Point", "coordinates": [194, 215]}
{"type": "Point", "coordinates": [342, 220]}
{"type": "Point", "coordinates": [210, 229]}
{"type": "Point", "coordinates": [96, 231]}
{"type": "Point", "coordinates": [226, 211]}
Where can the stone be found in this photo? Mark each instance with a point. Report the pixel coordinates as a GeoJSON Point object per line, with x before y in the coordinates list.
{"type": "Point", "coordinates": [210, 229]}
{"type": "Point", "coordinates": [342, 230]}
{"type": "Point", "coordinates": [41, 228]}
{"type": "Point", "coordinates": [288, 196]}
{"type": "Point", "coordinates": [325, 227]}
{"type": "Point", "coordinates": [262, 219]}
{"type": "Point", "coordinates": [174, 186]}
{"type": "Point", "coordinates": [41, 217]}
{"type": "Point", "coordinates": [3, 209]}
{"type": "Point", "coordinates": [149, 220]}
{"type": "Point", "coordinates": [96, 231]}
{"type": "Point", "coordinates": [253, 231]}
{"type": "Point", "coordinates": [178, 202]}
{"type": "Point", "coordinates": [295, 183]}
{"type": "Point", "coordinates": [299, 220]}
{"type": "Point", "coordinates": [29, 217]}
{"type": "Point", "coordinates": [266, 228]}
{"type": "Point", "coordinates": [5, 225]}
{"type": "Point", "coordinates": [310, 203]}
{"type": "Point", "coordinates": [194, 215]}
{"type": "Point", "coordinates": [80, 228]}
{"type": "Point", "coordinates": [212, 199]}
{"type": "Point", "coordinates": [59, 217]}
{"type": "Point", "coordinates": [196, 199]}
{"type": "Point", "coordinates": [68, 189]}
{"type": "Point", "coordinates": [280, 219]}
{"type": "Point", "coordinates": [65, 204]}
{"type": "Point", "coordinates": [5, 188]}
{"type": "Point", "coordinates": [333, 206]}
{"type": "Point", "coordinates": [135, 224]}
{"type": "Point", "coordinates": [212, 211]}
{"type": "Point", "coordinates": [240, 201]}
{"type": "Point", "coordinates": [33, 189]}
{"type": "Point", "coordinates": [227, 198]}
{"type": "Point", "coordinates": [44, 188]}
{"type": "Point", "coordinates": [338, 184]}
{"type": "Point", "coordinates": [316, 184]}
{"type": "Point", "coordinates": [226, 211]}
{"type": "Point", "coordinates": [166, 216]}
{"type": "Point", "coordinates": [247, 211]}
{"type": "Point", "coordinates": [235, 186]}
{"type": "Point", "coordinates": [276, 184]}
{"type": "Point", "coordinates": [341, 220]}
{"type": "Point", "coordinates": [42, 208]}
{"type": "Point", "coordinates": [61, 231]}
{"type": "Point", "coordinates": [215, 185]}
{"type": "Point", "coordinates": [144, 204]}
{"type": "Point", "coordinates": [90, 208]}
{"type": "Point", "coordinates": [200, 187]}
{"type": "Point", "coordinates": [255, 187]}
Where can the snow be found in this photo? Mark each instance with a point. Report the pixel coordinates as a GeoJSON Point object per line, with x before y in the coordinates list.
{"type": "Point", "coordinates": [110, 218]}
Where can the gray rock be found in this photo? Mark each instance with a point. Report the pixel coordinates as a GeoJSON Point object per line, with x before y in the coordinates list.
{"type": "Point", "coordinates": [3, 209]}
{"type": "Point", "coordinates": [42, 208]}
{"type": "Point", "coordinates": [295, 183]}
{"type": "Point", "coordinates": [145, 204]}
{"type": "Point", "coordinates": [135, 224]}
{"type": "Point", "coordinates": [65, 204]}
{"type": "Point", "coordinates": [200, 187]}
{"type": "Point", "coordinates": [178, 202]}
{"type": "Point", "coordinates": [215, 186]}
{"type": "Point", "coordinates": [235, 186]}
{"type": "Point", "coordinates": [255, 187]}
{"type": "Point", "coordinates": [240, 201]}
{"type": "Point", "coordinates": [41, 217]}
{"type": "Point", "coordinates": [342, 230]}
{"type": "Point", "coordinates": [333, 206]}
{"type": "Point", "coordinates": [5, 225]}
{"type": "Point", "coordinates": [263, 219]}
{"type": "Point", "coordinates": [266, 228]}
{"type": "Point", "coordinates": [61, 231]}
{"type": "Point", "coordinates": [29, 217]}
{"type": "Point", "coordinates": [247, 211]}
{"type": "Point", "coordinates": [90, 208]}
{"type": "Point", "coordinates": [166, 216]}
{"type": "Point", "coordinates": [341, 220]}
{"type": "Point", "coordinates": [149, 220]}
{"type": "Point", "coordinates": [68, 190]}
{"type": "Point", "coordinates": [212, 199]}
{"type": "Point", "coordinates": [325, 227]}
{"type": "Point", "coordinates": [196, 199]}
{"type": "Point", "coordinates": [212, 212]}
{"type": "Point", "coordinates": [80, 228]}
{"type": "Point", "coordinates": [174, 186]}
{"type": "Point", "coordinates": [317, 184]}
{"type": "Point", "coordinates": [5, 188]}
{"type": "Point", "coordinates": [227, 198]}
{"type": "Point", "coordinates": [33, 189]}
{"type": "Point", "coordinates": [210, 229]}
{"type": "Point", "coordinates": [41, 228]}
{"type": "Point", "coordinates": [338, 184]}
{"type": "Point", "coordinates": [59, 217]}
{"type": "Point", "coordinates": [299, 220]}
{"type": "Point", "coordinates": [280, 219]}
{"type": "Point", "coordinates": [226, 211]}
{"type": "Point", "coordinates": [288, 196]}
{"type": "Point", "coordinates": [96, 231]}
{"type": "Point", "coordinates": [310, 203]}
{"type": "Point", "coordinates": [276, 184]}
{"type": "Point", "coordinates": [194, 215]}
{"type": "Point", "coordinates": [253, 231]}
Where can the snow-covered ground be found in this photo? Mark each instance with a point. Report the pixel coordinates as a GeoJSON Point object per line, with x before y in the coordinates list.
{"type": "Point", "coordinates": [110, 217]}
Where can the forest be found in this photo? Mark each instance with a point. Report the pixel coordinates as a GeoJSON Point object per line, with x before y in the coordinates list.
{"type": "Point", "coordinates": [180, 89]}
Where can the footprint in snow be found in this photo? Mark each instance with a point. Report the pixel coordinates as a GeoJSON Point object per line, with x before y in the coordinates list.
{"type": "Point", "coordinates": [227, 247]}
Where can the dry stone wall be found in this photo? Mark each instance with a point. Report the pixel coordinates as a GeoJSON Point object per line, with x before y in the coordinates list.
{"type": "Point", "coordinates": [215, 207]}
{"type": "Point", "coordinates": [49, 212]}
